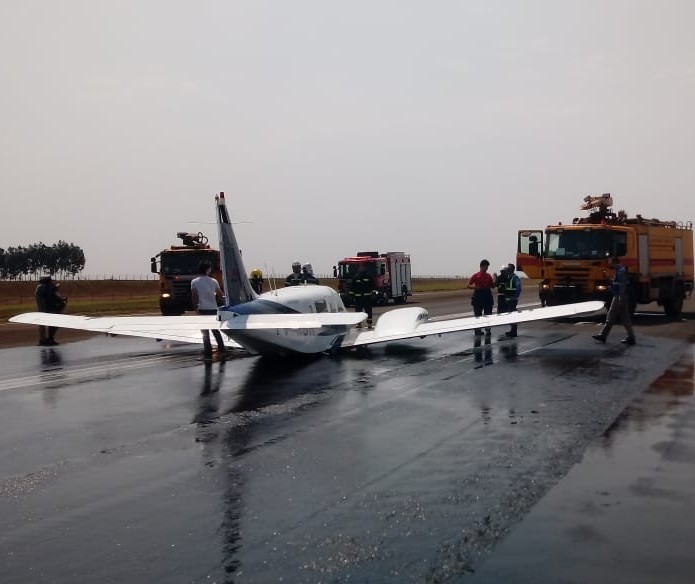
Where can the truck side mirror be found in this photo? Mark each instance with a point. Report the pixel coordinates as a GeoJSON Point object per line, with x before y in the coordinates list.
{"type": "Point", "coordinates": [335, 272]}
{"type": "Point", "coordinates": [153, 265]}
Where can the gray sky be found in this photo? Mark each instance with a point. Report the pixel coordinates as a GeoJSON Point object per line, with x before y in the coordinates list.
{"type": "Point", "coordinates": [436, 128]}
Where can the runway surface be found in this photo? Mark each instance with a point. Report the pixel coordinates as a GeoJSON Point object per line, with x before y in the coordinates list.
{"type": "Point", "coordinates": [124, 460]}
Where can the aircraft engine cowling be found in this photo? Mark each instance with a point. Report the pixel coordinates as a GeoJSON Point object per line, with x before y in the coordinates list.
{"type": "Point", "coordinates": [401, 320]}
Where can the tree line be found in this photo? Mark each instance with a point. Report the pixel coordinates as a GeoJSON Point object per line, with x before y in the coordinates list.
{"type": "Point", "coordinates": [60, 259]}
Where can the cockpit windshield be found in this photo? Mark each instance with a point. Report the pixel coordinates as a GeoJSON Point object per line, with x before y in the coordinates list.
{"type": "Point", "coordinates": [588, 244]}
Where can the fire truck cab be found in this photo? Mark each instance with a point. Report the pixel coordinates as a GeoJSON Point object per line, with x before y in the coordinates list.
{"type": "Point", "coordinates": [572, 260]}
{"type": "Point", "coordinates": [177, 266]}
{"type": "Point", "coordinates": [389, 271]}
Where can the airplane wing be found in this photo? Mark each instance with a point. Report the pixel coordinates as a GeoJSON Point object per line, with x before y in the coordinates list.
{"type": "Point", "coordinates": [185, 329]}
{"type": "Point", "coordinates": [412, 322]}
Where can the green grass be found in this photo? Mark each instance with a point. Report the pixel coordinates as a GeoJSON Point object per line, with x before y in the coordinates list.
{"type": "Point", "coordinates": [94, 307]}
{"type": "Point", "coordinates": [96, 303]}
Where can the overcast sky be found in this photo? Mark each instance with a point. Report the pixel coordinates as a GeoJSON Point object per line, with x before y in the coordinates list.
{"type": "Point", "coordinates": [436, 128]}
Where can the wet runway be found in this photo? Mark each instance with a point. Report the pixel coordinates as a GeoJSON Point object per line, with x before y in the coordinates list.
{"type": "Point", "coordinates": [127, 461]}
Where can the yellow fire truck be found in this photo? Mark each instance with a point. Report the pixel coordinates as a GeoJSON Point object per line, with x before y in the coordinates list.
{"type": "Point", "coordinates": [572, 260]}
{"type": "Point", "coordinates": [178, 266]}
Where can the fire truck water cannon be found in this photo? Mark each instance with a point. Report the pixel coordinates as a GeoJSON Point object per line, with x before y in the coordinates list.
{"type": "Point", "coordinates": [193, 239]}
{"type": "Point", "coordinates": [572, 261]}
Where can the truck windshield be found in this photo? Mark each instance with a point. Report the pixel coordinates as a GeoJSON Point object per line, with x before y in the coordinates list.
{"type": "Point", "coordinates": [349, 270]}
{"type": "Point", "coordinates": [586, 244]}
{"type": "Point", "coordinates": [185, 263]}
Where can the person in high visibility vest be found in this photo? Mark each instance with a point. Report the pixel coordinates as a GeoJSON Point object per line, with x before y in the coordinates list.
{"type": "Point", "coordinates": [361, 292]}
{"type": "Point", "coordinates": [512, 292]}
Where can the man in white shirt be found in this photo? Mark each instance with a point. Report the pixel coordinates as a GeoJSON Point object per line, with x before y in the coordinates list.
{"type": "Point", "coordinates": [207, 296]}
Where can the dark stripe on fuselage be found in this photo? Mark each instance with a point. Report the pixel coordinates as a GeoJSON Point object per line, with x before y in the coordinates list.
{"type": "Point", "coordinates": [260, 306]}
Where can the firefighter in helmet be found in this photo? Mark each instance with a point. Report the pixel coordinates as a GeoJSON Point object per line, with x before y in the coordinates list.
{"type": "Point", "coordinates": [295, 278]}
{"type": "Point", "coordinates": [308, 275]}
{"type": "Point", "coordinates": [361, 292]}
{"type": "Point", "coordinates": [502, 283]}
{"type": "Point", "coordinates": [256, 280]}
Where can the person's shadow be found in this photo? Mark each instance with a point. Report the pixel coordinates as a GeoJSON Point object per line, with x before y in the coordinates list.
{"type": "Point", "coordinates": [52, 374]}
{"type": "Point", "coordinates": [509, 350]}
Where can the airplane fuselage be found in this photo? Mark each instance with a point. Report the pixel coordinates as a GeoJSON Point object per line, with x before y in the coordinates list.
{"type": "Point", "coordinates": [304, 299]}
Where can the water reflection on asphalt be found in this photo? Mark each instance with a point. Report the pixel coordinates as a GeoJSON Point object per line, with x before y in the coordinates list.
{"type": "Point", "coordinates": [630, 501]}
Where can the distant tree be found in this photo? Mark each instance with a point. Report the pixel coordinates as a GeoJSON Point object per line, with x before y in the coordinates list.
{"type": "Point", "coordinates": [77, 260]}
{"type": "Point", "coordinates": [17, 262]}
{"type": "Point", "coordinates": [60, 258]}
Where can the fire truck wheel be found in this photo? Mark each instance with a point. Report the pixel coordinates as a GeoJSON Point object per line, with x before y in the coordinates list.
{"type": "Point", "coordinates": [403, 298]}
{"type": "Point", "coordinates": [674, 305]}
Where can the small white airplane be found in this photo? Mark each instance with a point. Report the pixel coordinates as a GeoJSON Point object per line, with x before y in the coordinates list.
{"type": "Point", "coordinates": [308, 319]}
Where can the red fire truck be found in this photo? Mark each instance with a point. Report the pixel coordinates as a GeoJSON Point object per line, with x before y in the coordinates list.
{"type": "Point", "coordinates": [390, 272]}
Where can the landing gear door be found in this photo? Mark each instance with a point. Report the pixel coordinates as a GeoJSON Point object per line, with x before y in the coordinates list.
{"type": "Point", "coordinates": [529, 252]}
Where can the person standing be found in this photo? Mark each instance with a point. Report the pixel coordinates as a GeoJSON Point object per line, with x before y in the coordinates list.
{"type": "Point", "coordinates": [49, 300]}
{"type": "Point", "coordinates": [308, 275]}
{"type": "Point", "coordinates": [256, 280]}
{"type": "Point", "coordinates": [361, 291]}
{"type": "Point", "coordinates": [511, 297]}
{"type": "Point", "coordinates": [501, 283]}
{"type": "Point", "coordinates": [295, 278]}
{"type": "Point", "coordinates": [620, 306]}
{"type": "Point", "coordinates": [207, 296]}
{"type": "Point", "coordinates": [482, 284]}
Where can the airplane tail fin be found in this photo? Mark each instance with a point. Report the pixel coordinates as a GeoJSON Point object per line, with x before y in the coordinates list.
{"type": "Point", "coordinates": [237, 288]}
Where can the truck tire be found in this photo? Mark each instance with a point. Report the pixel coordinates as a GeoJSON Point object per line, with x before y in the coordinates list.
{"type": "Point", "coordinates": [403, 298]}
{"type": "Point", "coordinates": [674, 304]}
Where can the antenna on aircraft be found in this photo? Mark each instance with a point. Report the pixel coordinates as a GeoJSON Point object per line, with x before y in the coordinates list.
{"type": "Point", "coordinates": [271, 280]}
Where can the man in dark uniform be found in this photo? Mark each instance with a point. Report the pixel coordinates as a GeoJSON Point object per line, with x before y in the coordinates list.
{"type": "Point", "coordinates": [361, 290]}
{"type": "Point", "coordinates": [49, 300]}
{"type": "Point", "coordinates": [620, 306]}
{"type": "Point", "coordinates": [512, 292]}
{"type": "Point", "coordinates": [502, 282]}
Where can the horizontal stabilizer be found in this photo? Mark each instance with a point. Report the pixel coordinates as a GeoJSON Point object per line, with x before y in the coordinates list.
{"type": "Point", "coordinates": [291, 321]}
